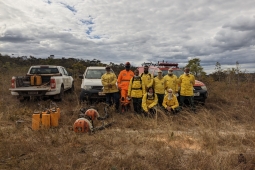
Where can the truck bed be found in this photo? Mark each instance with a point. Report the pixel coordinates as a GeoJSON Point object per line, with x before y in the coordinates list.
{"type": "Point", "coordinates": [24, 81]}
{"type": "Point", "coordinates": [24, 87]}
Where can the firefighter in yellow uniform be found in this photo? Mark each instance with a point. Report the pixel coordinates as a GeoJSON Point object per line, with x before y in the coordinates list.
{"type": "Point", "coordinates": [149, 101]}
{"type": "Point", "coordinates": [187, 82]}
{"type": "Point", "coordinates": [136, 90]}
{"type": "Point", "coordinates": [159, 86]}
{"type": "Point", "coordinates": [171, 82]}
{"type": "Point", "coordinates": [147, 78]}
{"type": "Point", "coordinates": [110, 89]}
{"type": "Point", "coordinates": [123, 83]}
{"type": "Point", "coordinates": [170, 102]}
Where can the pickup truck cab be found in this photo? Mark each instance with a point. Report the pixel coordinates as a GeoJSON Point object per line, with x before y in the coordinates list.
{"type": "Point", "coordinates": [41, 81]}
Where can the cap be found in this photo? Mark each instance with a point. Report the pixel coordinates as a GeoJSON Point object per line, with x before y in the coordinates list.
{"type": "Point", "coordinates": [159, 71]}
{"type": "Point", "coordinates": [127, 63]}
{"type": "Point", "coordinates": [170, 69]}
{"type": "Point", "coordinates": [169, 90]}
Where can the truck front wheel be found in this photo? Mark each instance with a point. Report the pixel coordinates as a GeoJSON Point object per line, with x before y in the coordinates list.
{"type": "Point", "coordinates": [82, 96]}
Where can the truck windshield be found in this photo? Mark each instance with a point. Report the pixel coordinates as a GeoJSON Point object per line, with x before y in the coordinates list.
{"type": "Point", "coordinates": [94, 73]}
{"type": "Point", "coordinates": [44, 70]}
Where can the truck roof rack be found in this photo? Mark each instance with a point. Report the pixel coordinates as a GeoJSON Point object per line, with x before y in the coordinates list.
{"type": "Point", "coordinates": [161, 64]}
{"type": "Point", "coordinates": [167, 64]}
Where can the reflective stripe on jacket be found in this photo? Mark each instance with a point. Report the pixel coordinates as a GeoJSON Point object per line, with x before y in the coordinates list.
{"type": "Point", "coordinates": [136, 87]}
{"type": "Point", "coordinates": [173, 103]}
{"type": "Point", "coordinates": [149, 102]}
{"type": "Point", "coordinates": [187, 82]}
{"type": "Point", "coordinates": [159, 85]}
{"type": "Point", "coordinates": [124, 79]}
{"type": "Point", "coordinates": [109, 79]}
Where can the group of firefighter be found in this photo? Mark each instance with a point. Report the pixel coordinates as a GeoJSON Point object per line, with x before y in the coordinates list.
{"type": "Point", "coordinates": [146, 91]}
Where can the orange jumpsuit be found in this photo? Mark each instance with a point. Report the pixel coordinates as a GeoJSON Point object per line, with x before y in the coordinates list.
{"type": "Point", "coordinates": [123, 83]}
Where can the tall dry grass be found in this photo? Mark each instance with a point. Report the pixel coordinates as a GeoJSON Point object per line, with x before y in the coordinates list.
{"type": "Point", "coordinates": [213, 138]}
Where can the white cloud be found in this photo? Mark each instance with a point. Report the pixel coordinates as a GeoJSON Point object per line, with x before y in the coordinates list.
{"type": "Point", "coordinates": [128, 30]}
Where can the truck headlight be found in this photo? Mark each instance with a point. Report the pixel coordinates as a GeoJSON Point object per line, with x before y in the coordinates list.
{"type": "Point", "coordinates": [87, 87]}
{"type": "Point", "coordinates": [204, 88]}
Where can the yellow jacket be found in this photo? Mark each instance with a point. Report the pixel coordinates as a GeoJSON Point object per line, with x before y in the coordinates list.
{"type": "Point", "coordinates": [173, 103]}
{"type": "Point", "coordinates": [149, 102]}
{"type": "Point", "coordinates": [159, 85]}
{"type": "Point", "coordinates": [109, 79]}
{"type": "Point", "coordinates": [187, 82]}
{"type": "Point", "coordinates": [147, 80]}
{"type": "Point", "coordinates": [136, 87]}
{"type": "Point", "coordinates": [171, 82]}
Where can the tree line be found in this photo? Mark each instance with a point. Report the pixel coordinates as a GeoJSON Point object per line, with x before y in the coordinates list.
{"type": "Point", "coordinates": [78, 66]}
{"type": "Point", "coordinates": [73, 65]}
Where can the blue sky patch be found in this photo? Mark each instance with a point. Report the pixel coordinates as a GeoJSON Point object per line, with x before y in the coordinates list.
{"type": "Point", "coordinates": [88, 21]}
{"type": "Point", "coordinates": [89, 30]}
{"type": "Point", "coordinates": [70, 8]}
{"type": "Point", "coordinates": [95, 37]}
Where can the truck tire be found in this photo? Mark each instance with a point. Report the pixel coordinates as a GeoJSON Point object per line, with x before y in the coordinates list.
{"type": "Point", "coordinates": [23, 99]}
{"type": "Point", "coordinates": [82, 96]}
{"type": "Point", "coordinates": [60, 95]}
{"type": "Point", "coordinates": [71, 90]}
{"type": "Point", "coordinates": [202, 102]}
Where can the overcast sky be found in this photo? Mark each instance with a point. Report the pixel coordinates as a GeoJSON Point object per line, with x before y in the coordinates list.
{"type": "Point", "coordinates": [132, 30]}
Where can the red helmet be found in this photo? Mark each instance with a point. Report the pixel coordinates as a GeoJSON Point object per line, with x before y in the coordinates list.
{"type": "Point", "coordinates": [82, 125]}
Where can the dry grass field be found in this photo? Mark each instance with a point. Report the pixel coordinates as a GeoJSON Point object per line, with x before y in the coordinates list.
{"type": "Point", "coordinates": [220, 136]}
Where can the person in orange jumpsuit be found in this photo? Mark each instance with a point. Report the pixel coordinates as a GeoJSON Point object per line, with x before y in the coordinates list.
{"type": "Point", "coordinates": [123, 83]}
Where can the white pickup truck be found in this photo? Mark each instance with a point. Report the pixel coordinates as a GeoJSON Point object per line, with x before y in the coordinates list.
{"type": "Point", "coordinates": [91, 86]}
{"type": "Point", "coordinates": [42, 81]}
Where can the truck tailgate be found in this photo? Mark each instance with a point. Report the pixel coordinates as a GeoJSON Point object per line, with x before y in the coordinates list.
{"type": "Point", "coordinates": [31, 88]}
{"type": "Point", "coordinates": [32, 91]}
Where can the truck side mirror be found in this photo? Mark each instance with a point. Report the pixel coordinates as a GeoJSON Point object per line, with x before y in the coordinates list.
{"type": "Point", "coordinates": [81, 76]}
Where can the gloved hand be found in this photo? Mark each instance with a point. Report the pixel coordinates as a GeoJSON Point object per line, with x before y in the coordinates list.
{"type": "Point", "coordinates": [168, 108]}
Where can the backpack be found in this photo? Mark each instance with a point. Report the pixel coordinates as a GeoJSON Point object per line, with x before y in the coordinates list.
{"type": "Point", "coordinates": [148, 74]}
{"type": "Point", "coordinates": [92, 114]}
{"type": "Point", "coordinates": [82, 125]}
{"type": "Point", "coordinates": [140, 79]}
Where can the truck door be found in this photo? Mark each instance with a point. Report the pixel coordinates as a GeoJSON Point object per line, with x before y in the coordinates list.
{"type": "Point", "coordinates": [66, 78]}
